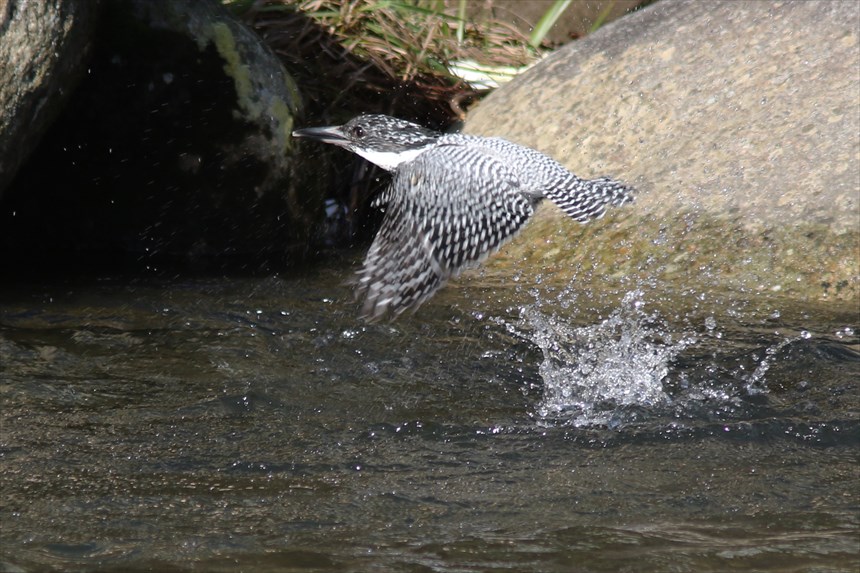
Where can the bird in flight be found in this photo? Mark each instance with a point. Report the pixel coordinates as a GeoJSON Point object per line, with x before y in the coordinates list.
{"type": "Point", "coordinates": [453, 200]}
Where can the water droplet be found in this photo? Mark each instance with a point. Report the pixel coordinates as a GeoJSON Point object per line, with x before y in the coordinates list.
{"type": "Point", "coordinates": [843, 332]}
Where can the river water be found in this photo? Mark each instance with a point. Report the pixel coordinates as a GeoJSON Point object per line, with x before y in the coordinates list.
{"type": "Point", "coordinates": [256, 424]}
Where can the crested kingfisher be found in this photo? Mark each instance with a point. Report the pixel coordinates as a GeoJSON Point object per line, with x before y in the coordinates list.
{"type": "Point", "coordinates": [453, 200]}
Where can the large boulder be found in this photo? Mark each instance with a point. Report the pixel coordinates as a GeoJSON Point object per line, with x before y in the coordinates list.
{"type": "Point", "coordinates": [44, 49]}
{"type": "Point", "coordinates": [176, 147]}
{"type": "Point", "coordinates": [738, 122]}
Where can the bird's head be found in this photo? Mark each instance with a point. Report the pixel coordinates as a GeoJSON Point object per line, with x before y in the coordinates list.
{"type": "Point", "coordinates": [383, 140]}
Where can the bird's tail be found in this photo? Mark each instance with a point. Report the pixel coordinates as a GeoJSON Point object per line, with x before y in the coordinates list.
{"type": "Point", "coordinates": [587, 199]}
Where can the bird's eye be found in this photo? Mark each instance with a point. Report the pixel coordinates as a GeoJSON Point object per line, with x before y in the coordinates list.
{"type": "Point", "coordinates": [357, 132]}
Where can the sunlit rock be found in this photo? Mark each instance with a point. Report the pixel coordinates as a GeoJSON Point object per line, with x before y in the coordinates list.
{"type": "Point", "coordinates": [736, 121]}
{"type": "Point", "coordinates": [44, 48]}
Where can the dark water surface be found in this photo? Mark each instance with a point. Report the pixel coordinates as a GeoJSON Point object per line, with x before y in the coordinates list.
{"type": "Point", "coordinates": [256, 424]}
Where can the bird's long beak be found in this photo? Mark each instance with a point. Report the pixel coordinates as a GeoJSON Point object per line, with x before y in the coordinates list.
{"type": "Point", "coordinates": [332, 134]}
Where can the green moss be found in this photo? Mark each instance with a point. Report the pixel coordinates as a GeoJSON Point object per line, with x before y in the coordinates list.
{"type": "Point", "coordinates": [225, 43]}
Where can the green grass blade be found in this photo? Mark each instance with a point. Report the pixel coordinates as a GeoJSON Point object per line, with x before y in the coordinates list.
{"type": "Point", "coordinates": [461, 27]}
{"type": "Point", "coordinates": [601, 18]}
{"type": "Point", "coordinates": [547, 21]}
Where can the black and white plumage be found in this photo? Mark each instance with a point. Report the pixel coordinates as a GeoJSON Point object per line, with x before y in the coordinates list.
{"type": "Point", "coordinates": [453, 200]}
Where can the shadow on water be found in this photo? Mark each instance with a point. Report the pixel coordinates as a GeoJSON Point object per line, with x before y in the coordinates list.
{"type": "Point", "coordinates": [215, 424]}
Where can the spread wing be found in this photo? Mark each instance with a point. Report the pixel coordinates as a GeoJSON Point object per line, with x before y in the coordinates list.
{"type": "Point", "coordinates": [447, 210]}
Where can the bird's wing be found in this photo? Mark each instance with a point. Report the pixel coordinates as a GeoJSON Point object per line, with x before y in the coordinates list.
{"type": "Point", "coordinates": [448, 210]}
{"type": "Point", "coordinates": [587, 199]}
{"type": "Point", "coordinates": [581, 199]}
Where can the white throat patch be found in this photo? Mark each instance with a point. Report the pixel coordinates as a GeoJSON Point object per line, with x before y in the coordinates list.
{"type": "Point", "coordinates": [389, 160]}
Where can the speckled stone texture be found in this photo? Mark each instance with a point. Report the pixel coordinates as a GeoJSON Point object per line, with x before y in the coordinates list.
{"type": "Point", "coordinates": [44, 47]}
{"type": "Point", "coordinates": [739, 124]}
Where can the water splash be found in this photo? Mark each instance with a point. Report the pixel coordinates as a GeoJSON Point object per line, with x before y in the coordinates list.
{"type": "Point", "coordinates": [634, 369]}
{"type": "Point", "coordinates": [606, 373]}
{"type": "Point", "coordinates": [755, 381]}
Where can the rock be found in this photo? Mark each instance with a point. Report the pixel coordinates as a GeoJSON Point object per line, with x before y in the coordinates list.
{"type": "Point", "coordinates": [738, 124]}
{"type": "Point", "coordinates": [175, 148]}
{"type": "Point", "coordinates": [44, 48]}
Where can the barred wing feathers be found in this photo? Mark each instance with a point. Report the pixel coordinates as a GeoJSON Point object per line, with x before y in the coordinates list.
{"type": "Point", "coordinates": [448, 210]}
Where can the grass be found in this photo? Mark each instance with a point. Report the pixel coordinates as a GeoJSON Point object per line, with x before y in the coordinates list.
{"type": "Point", "coordinates": [395, 47]}
{"type": "Point", "coordinates": [410, 40]}
{"type": "Point", "coordinates": [549, 19]}
{"type": "Point", "coordinates": [389, 48]}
